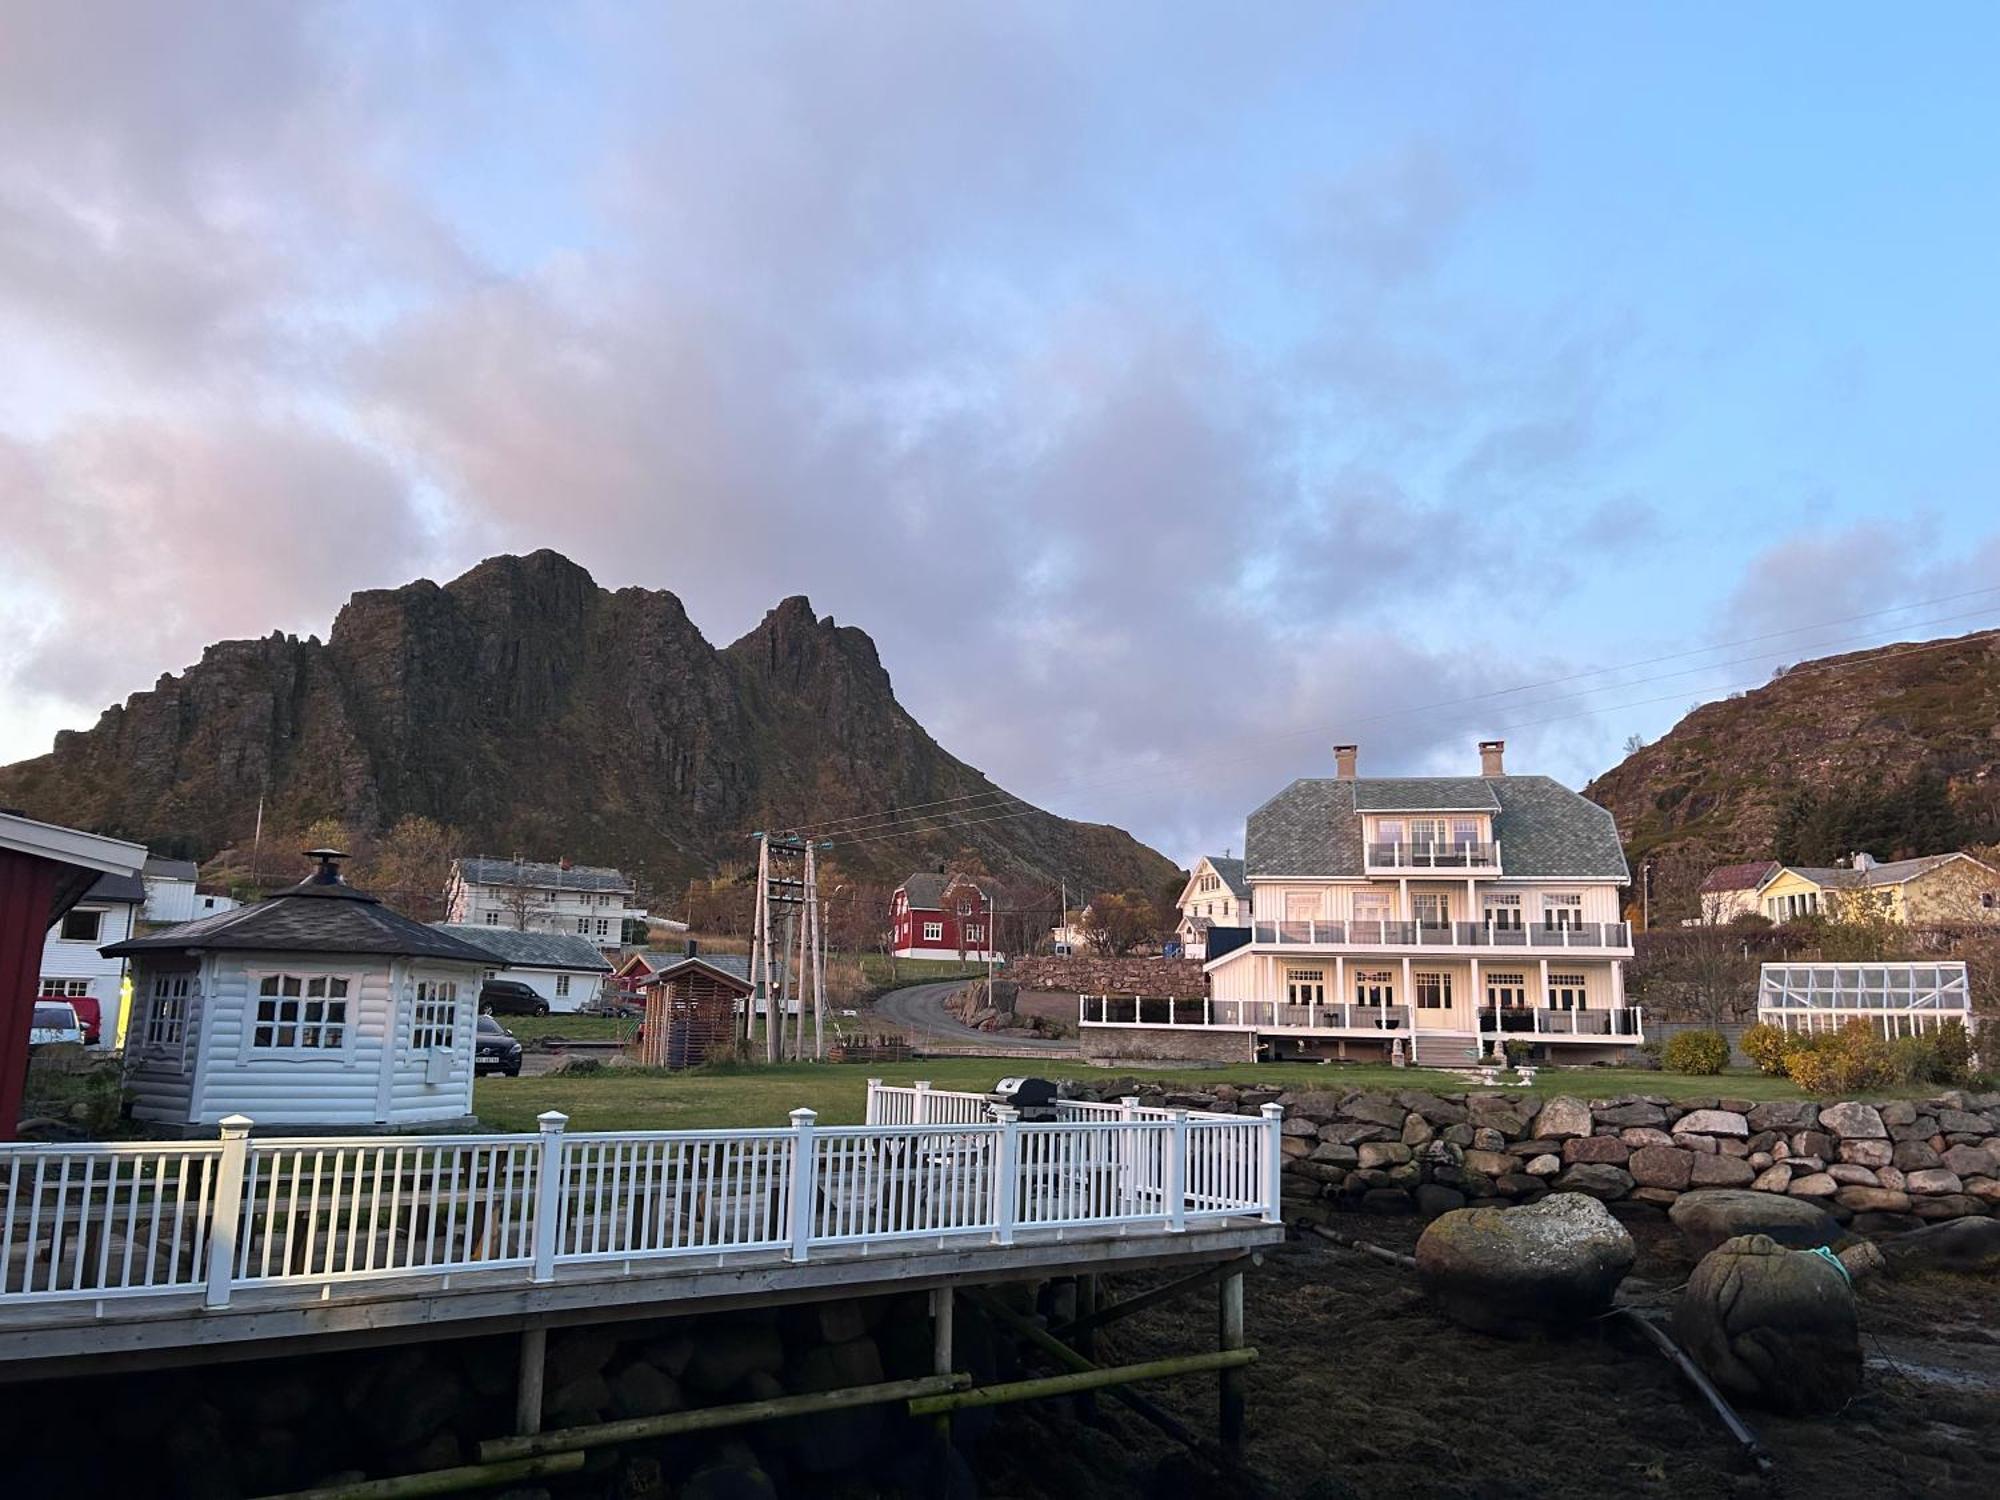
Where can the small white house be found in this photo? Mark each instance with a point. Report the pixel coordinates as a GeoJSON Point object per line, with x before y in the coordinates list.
{"type": "Point", "coordinates": [317, 1006]}
{"type": "Point", "coordinates": [174, 894]}
{"type": "Point", "coordinates": [74, 968]}
{"type": "Point", "coordinates": [565, 970]}
{"type": "Point", "coordinates": [591, 901]}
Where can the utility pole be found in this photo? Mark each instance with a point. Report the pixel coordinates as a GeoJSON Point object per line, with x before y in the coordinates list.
{"type": "Point", "coordinates": [1646, 896]}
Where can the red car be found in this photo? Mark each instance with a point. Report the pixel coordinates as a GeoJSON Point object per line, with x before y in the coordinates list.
{"type": "Point", "coordinates": [90, 1015]}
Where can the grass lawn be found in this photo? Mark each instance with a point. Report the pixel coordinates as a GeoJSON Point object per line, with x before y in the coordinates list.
{"type": "Point", "coordinates": [750, 1095]}
{"type": "Point", "coordinates": [575, 1027]}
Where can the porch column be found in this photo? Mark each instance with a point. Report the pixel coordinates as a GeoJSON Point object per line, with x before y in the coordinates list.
{"type": "Point", "coordinates": [1543, 1003]}
{"type": "Point", "coordinates": [1617, 985]}
{"type": "Point", "coordinates": [1403, 885]}
{"type": "Point", "coordinates": [1340, 994]}
{"type": "Point", "coordinates": [1410, 998]}
{"type": "Point", "coordinates": [1478, 1027]}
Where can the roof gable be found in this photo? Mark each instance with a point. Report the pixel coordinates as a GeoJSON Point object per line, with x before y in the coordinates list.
{"type": "Point", "coordinates": [733, 968]}
{"type": "Point", "coordinates": [926, 890]}
{"type": "Point", "coordinates": [1376, 794]}
{"type": "Point", "coordinates": [535, 874]}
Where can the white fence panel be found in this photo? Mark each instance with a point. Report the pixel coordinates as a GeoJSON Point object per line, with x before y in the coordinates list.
{"type": "Point", "coordinates": [902, 1182]}
{"type": "Point", "coordinates": [674, 1193]}
{"type": "Point", "coordinates": [103, 1220]}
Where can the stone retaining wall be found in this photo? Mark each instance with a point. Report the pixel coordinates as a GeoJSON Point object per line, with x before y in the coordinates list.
{"type": "Point", "coordinates": [1109, 976]}
{"type": "Point", "coordinates": [1898, 1162]}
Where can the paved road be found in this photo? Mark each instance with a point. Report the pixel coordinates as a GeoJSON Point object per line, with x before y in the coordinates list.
{"type": "Point", "coordinates": [919, 1010]}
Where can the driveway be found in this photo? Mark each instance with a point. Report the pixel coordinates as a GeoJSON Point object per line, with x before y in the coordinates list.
{"type": "Point", "coordinates": [919, 1010]}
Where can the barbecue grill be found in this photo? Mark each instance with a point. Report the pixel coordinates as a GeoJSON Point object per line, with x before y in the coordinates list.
{"type": "Point", "coordinates": [1035, 1098]}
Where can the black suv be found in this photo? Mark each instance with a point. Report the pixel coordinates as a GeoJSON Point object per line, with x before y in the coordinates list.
{"type": "Point", "coordinates": [495, 1050]}
{"type": "Point", "coordinates": [510, 997]}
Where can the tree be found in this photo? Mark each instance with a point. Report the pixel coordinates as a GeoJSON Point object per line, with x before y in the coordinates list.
{"type": "Point", "coordinates": [1115, 923]}
{"type": "Point", "coordinates": [1634, 743]}
{"type": "Point", "coordinates": [410, 865]}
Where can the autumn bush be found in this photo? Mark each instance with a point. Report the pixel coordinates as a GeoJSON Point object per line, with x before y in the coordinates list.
{"type": "Point", "coordinates": [1695, 1052]}
{"type": "Point", "coordinates": [1846, 1061]}
{"type": "Point", "coordinates": [1765, 1044]}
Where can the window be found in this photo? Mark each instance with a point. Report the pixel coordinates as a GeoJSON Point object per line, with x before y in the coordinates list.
{"type": "Point", "coordinates": [1503, 912]}
{"type": "Point", "coordinates": [1465, 831]}
{"type": "Point", "coordinates": [493, 919]}
{"type": "Point", "coordinates": [1433, 990]}
{"type": "Point", "coordinates": [434, 1020]}
{"type": "Point", "coordinates": [1989, 899]}
{"type": "Point", "coordinates": [975, 933]}
{"type": "Point", "coordinates": [1389, 830]}
{"type": "Point", "coordinates": [1566, 992]}
{"type": "Point", "coordinates": [1426, 832]}
{"type": "Point", "coordinates": [1433, 908]}
{"type": "Point", "coordinates": [562, 985]}
{"type": "Point", "coordinates": [64, 989]}
{"type": "Point", "coordinates": [933, 932]}
{"type": "Point", "coordinates": [1371, 906]}
{"type": "Point", "coordinates": [167, 1009]}
{"type": "Point", "coordinates": [1562, 909]}
{"type": "Point", "coordinates": [1374, 987]}
{"type": "Point", "coordinates": [81, 926]}
{"type": "Point", "coordinates": [583, 927]}
{"type": "Point", "coordinates": [1507, 991]}
{"type": "Point", "coordinates": [1301, 906]}
{"type": "Point", "coordinates": [296, 1013]}
{"type": "Point", "coordinates": [1305, 986]}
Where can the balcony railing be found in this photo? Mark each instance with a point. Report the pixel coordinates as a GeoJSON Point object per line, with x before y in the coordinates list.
{"type": "Point", "coordinates": [1242, 1015]}
{"type": "Point", "coordinates": [1433, 856]}
{"type": "Point", "coordinates": [1622, 1022]}
{"type": "Point", "coordinates": [1615, 936]}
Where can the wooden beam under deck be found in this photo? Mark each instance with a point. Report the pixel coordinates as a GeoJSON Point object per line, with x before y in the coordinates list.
{"type": "Point", "coordinates": [155, 1332]}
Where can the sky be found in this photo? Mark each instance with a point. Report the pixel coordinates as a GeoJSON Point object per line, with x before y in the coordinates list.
{"type": "Point", "coordinates": [1172, 391]}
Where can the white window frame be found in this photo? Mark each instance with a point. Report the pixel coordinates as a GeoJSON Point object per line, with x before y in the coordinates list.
{"type": "Point", "coordinates": [1502, 903]}
{"type": "Point", "coordinates": [63, 988]}
{"type": "Point", "coordinates": [1506, 990]}
{"type": "Point", "coordinates": [975, 933]}
{"type": "Point", "coordinates": [96, 934]}
{"type": "Point", "coordinates": [169, 1001]}
{"type": "Point", "coordinates": [1562, 908]}
{"type": "Point", "coordinates": [1574, 990]}
{"type": "Point", "coordinates": [254, 1022]}
{"type": "Point", "coordinates": [1435, 982]}
{"type": "Point", "coordinates": [933, 932]}
{"type": "Point", "coordinates": [1437, 900]}
{"type": "Point", "coordinates": [1305, 986]}
{"type": "Point", "coordinates": [1375, 987]}
{"type": "Point", "coordinates": [434, 1015]}
{"type": "Point", "coordinates": [562, 986]}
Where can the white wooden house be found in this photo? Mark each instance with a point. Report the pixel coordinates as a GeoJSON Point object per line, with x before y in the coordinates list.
{"type": "Point", "coordinates": [592, 901]}
{"type": "Point", "coordinates": [317, 1006]}
{"type": "Point", "coordinates": [73, 967]}
{"type": "Point", "coordinates": [566, 970]}
{"type": "Point", "coordinates": [174, 893]}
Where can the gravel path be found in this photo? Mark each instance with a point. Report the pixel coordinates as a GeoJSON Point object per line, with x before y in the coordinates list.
{"type": "Point", "coordinates": [919, 1010]}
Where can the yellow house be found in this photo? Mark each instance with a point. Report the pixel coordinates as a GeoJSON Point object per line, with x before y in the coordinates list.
{"type": "Point", "coordinates": [1936, 888]}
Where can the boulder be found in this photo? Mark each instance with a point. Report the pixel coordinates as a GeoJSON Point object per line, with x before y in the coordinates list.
{"type": "Point", "coordinates": [1987, 1189]}
{"type": "Point", "coordinates": [1545, 1165]}
{"type": "Point", "coordinates": [1562, 1117]}
{"type": "Point", "coordinates": [1849, 1175]}
{"type": "Point", "coordinates": [1331, 1153]}
{"type": "Point", "coordinates": [1867, 1153]}
{"type": "Point", "coordinates": [1546, 1266]}
{"type": "Point", "coordinates": [1636, 1136]}
{"type": "Point", "coordinates": [1316, 1105]}
{"type": "Point", "coordinates": [1373, 1109]}
{"type": "Point", "coordinates": [1486, 1138]}
{"type": "Point", "coordinates": [1946, 1206]}
{"type": "Point", "coordinates": [1970, 1161]}
{"type": "Point", "coordinates": [1960, 1245]}
{"type": "Point", "coordinates": [1661, 1167]}
{"type": "Point", "coordinates": [1853, 1121]}
{"type": "Point", "coordinates": [1607, 1148]}
{"type": "Point", "coordinates": [1915, 1156]}
{"type": "Point", "coordinates": [1712, 1122]}
{"type": "Point", "coordinates": [1775, 1178]}
{"type": "Point", "coordinates": [1434, 1200]}
{"type": "Point", "coordinates": [1873, 1200]}
{"type": "Point", "coordinates": [1783, 1114]}
{"type": "Point", "coordinates": [1963, 1122]}
{"type": "Point", "coordinates": [1492, 1163]}
{"type": "Point", "coordinates": [1897, 1112]}
{"type": "Point", "coordinates": [1437, 1111]}
{"type": "Point", "coordinates": [1708, 1217]}
{"type": "Point", "coordinates": [1772, 1326]}
{"type": "Point", "coordinates": [1813, 1185]}
{"type": "Point", "coordinates": [1815, 1143]}
{"type": "Point", "coordinates": [1598, 1179]}
{"type": "Point", "coordinates": [1354, 1135]}
{"type": "Point", "coordinates": [1417, 1131]}
{"type": "Point", "coordinates": [1720, 1172]}
{"type": "Point", "coordinates": [1633, 1114]}
{"type": "Point", "coordinates": [1298, 1125]}
{"type": "Point", "coordinates": [1384, 1154]}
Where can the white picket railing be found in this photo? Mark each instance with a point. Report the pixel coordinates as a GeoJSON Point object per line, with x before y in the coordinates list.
{"type": "Point", "coordinates": [95, 1221]}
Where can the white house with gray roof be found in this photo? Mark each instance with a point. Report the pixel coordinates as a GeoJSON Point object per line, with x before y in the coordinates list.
{"type": "Point", "coordinates": [565, 970]}
{"type": "Point", "coordinates": [592, 902]}
{"type": "Point", "coordinates": [1216, 895]}
{"type": "Point", "coordinates": [1420, 916]}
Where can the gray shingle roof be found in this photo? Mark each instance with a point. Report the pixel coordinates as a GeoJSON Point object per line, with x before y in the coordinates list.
{"type": "Point", "coordinates": [159, 867]}
{"type": "Point", "coordinates": [531, 950]}
{"type": "Point", "coordinates": [926, 889]}
{"type": "Point", "coordinates": [1424, 794]}
{"type": "Point", "coordinates": [1545, 830]}
{"type": "Point", "coordinates": [310, 918]}
{"type": "Point", "coordinates": [1231, 871]}
{"type": "Point", "coordinates": [1889, 872]}
{"type": "Point", "coordinates": [117, 888]}
{"type": "Point", "coordinates": [735, 965]}
{"type": "Point", "coordinates": [541, 875]}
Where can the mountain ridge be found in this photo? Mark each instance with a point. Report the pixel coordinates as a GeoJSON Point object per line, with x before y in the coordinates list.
{"type": "Point", "coordinates": [526, 706]}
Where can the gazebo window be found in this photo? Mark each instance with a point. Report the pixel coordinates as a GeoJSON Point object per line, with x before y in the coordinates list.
{"type": "Point", "coordinates": [434, 1021]}
{"type": "Point", "coordinates": [300, 1013]}
{"type": "Point", "coordinates": [166, 1009]}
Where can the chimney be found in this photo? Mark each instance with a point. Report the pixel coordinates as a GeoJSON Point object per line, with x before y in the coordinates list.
{"type": "Point", "coordinates": [1492, 757]}
{"type": "Point", "coordinates": [328, 872]}
{"type": "Point", "coordinates": [1343, 761]}
{"type": "Point", "coordinates": [693, 948]}
{"type": "Point", "coordinates": [1862, 861]}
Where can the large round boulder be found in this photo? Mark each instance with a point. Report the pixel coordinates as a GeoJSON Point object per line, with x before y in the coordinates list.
{"type": "Point", "coordinates": [1773, 1327]}
{"type": "Point", "coordinates": [1708, 1216]}
{"type": "Point", "coordinates": [1956, 1245]}
{"type": "Point", "coordinates": [1543, 1267]}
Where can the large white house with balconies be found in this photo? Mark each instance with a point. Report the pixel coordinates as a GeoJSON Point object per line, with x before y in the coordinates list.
{"type": "Point", "coordinates": [1426, 918]}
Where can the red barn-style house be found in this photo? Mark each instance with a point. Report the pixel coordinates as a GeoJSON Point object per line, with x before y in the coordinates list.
{"type": "Point", "coordinates": [930, 909]}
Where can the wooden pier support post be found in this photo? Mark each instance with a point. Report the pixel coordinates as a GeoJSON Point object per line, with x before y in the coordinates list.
{"type": "Point", "coordinates": [528, 1383]}
{"type": "Point", "coordinates": [1231, 1379]}
{"type": "Point", "coordinates": [1086, 1340]}
{"type": "Point", "coordinates": [941, 1358]}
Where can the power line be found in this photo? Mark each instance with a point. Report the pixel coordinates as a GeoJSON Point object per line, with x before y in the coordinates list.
{"type": "Point", "coordinates": [891, 820]}
{"type": "Point", "coordinates": [995, 796]}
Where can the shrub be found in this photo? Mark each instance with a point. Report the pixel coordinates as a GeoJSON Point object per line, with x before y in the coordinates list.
{"type": "Point", "coordinates": [1954, 1051]}
{"type": "Point", "coordinates": [1699, 1052]}
{"type": "Point", "coordinates": [1914, 1059]}
{"type": "Point", "coordinates": [1846, 1061]}
{"type": "Point", "coordinates": [1765, 1045]}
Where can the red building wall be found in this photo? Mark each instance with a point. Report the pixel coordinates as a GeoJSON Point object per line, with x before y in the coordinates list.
{"type": "Point", "coordinates": [909, 928]}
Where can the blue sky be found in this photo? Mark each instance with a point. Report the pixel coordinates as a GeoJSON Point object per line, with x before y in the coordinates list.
{"type": "Point", "coordinates": [1171, 391]}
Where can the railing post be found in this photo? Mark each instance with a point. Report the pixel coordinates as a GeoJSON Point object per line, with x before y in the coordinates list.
{"type": "Point", "coordinates": [226, 1218]}
{"type": "Point", "coordinates": [1177, 1155]}
{"type": "Point", "coordinates": [874, 1115]}
{"type": "Point", "coordinates": [805, 1184]}
{"type": "Point", "coordinates": [1274, 1159]}
{"type": "Point", "coordinates": [1006, 1174]}
{"type": "Point", "coordinates": [920, 1104]}
{"type": "Point", "coordinates": [548, 1192]}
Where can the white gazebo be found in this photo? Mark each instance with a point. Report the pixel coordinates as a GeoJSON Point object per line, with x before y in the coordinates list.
{"type": "Point", "coordinates": [317, 1006]}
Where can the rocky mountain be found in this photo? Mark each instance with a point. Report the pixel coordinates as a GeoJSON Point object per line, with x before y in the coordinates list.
{"type": "Point", "coordinates": [531, 710]}
{"type": "Point", "coordinates": [1895, 750]}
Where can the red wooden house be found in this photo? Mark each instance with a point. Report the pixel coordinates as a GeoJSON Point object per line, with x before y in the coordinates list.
{"type": "Point", "coordinates": [942, 916]}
